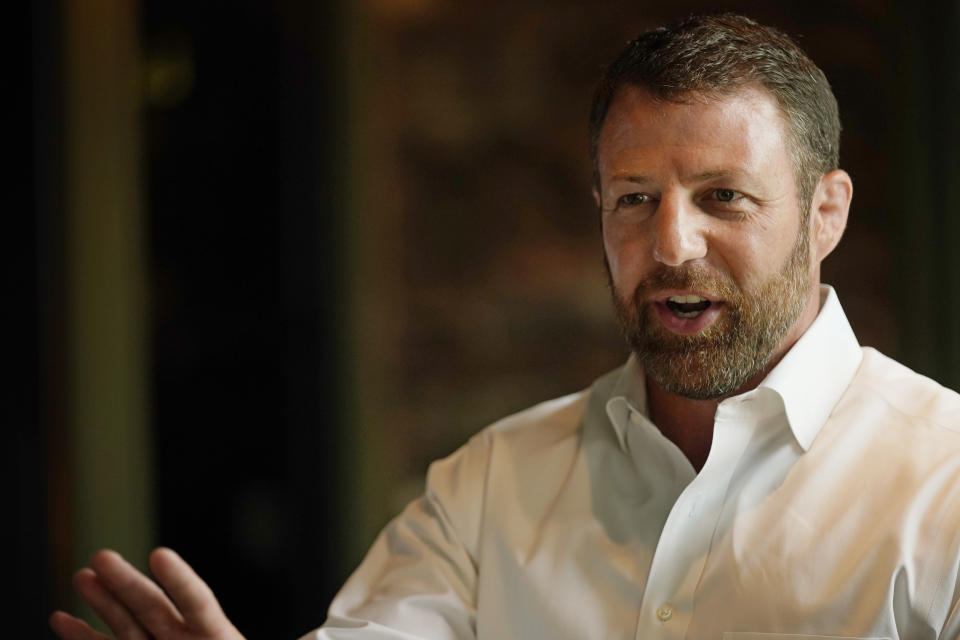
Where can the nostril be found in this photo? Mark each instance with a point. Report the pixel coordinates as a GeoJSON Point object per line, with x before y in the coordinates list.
{"type": "Point", "coordinates": [672, 256]}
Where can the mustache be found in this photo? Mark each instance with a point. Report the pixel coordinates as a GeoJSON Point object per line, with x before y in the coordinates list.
{"type": "Point", "coordinates": [695, 277]}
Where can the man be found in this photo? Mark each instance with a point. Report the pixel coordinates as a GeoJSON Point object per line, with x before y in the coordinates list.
{"type": "Point", "coordinates": [751, 472]}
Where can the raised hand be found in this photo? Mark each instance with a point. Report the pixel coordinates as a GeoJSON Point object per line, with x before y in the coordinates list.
{"type": "Point", "coordinates": [134, 607]}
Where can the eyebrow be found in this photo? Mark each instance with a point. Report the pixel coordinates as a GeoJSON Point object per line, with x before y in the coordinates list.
{"type": "Point", "coordinates": [703, 176]}
{"type": "Point", "coordinates": [631, 178]}
{"type": "Point", "coordinates": [720, 173]}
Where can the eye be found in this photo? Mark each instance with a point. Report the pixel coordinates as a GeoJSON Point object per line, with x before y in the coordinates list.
{"type": "Point", "coordinates": [634, 199]}
{"type": "Point", "coordinates": [726, 195]}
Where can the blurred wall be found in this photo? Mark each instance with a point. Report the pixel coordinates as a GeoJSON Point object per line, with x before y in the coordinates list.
{"type": "Point", "coordinates": [368, 232]}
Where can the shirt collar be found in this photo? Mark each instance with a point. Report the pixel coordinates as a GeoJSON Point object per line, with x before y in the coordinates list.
{"type": "Point", "coordinates": [627, 396]}
{"type": "Point", "coordinates": [809, 379]}
{"type": "Point", "coordinates": [816, 371]}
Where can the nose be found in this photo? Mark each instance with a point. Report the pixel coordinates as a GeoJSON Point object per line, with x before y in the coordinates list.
{"type": "Point", "coordinates": [679, 232]}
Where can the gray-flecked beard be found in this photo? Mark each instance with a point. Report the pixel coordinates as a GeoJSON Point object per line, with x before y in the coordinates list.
{"type": "Point", "coordinates": [739, 344]}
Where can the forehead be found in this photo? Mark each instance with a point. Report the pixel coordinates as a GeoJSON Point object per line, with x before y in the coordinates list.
{"type": "Point", "coordinates": [745, 127]}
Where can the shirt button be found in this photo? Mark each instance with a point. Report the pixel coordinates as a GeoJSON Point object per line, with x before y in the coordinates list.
{"type": "Point", "coordinates": [664, 612]}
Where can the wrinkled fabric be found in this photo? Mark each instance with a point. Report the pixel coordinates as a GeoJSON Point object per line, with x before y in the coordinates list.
{"type": "Point", "coordinates": [829, 506]}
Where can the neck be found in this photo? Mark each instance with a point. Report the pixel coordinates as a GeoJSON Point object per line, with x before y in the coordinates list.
{"type": "Point", "coordinates": [686, 422]}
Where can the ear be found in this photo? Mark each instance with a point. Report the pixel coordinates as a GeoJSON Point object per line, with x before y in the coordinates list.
{"type": "Point", "coordinates": [829, 210]}
{"type": "Point", "coordinates": [596, 197]}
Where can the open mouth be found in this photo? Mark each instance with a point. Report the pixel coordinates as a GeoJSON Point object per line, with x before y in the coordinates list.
{"type": "Point", "coordinates": [689, 306]}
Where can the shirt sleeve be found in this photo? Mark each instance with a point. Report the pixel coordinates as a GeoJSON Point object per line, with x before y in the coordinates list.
{"type": "Point", "coordinates": [419, 579]}
{"type": "Point", "coordinates": [951, 628]}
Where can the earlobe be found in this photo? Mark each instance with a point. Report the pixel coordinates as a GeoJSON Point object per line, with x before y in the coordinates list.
{"type": "Point", "coordinates": [830, 208]}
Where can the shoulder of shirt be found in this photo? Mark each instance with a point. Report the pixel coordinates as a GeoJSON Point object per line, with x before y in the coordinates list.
{"type": "Point", "coordinates": [540, 428]}
{"type": "Point", "coordinates": [540, 425]}
{"type": "Point", "coordinates": [553, 420]}
{"type": "Point", "coordinates": [546, 421]}
{"type": "Point", "coordinates": [526, 453]}
{"type": "Point", "coordinates": [559, 414]}
{"type": "Point", "coordinates": [914, 396]}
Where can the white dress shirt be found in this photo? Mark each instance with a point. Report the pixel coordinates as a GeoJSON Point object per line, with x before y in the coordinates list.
{"type": "Point", "coordinates": [829, 507]}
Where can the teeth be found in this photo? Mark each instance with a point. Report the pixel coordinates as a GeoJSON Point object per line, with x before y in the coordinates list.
{"type": "Point", "coordinates": [687, 306]}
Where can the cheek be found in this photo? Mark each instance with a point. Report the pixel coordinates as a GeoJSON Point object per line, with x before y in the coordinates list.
{"type": "Point", "coordinates": [625, 253]}
{"type": "Point", "coordinates": [752, 265]}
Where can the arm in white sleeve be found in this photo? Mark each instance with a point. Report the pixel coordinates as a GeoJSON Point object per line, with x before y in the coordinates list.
{"type": "Point", "coordinates": [419, 580]}
{"type": "Point", "coordinates": [951, 628]}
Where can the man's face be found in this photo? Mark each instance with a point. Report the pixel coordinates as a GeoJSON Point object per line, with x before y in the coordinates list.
{"type": "Point", "coordinates": [708, 260]}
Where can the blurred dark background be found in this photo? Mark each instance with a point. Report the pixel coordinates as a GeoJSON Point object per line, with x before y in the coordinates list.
{"type": "Point", "coordinates": [280, 255]}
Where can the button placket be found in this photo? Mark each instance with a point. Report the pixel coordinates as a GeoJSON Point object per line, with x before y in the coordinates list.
{"type": "Point", "coordinates": [686, 538]}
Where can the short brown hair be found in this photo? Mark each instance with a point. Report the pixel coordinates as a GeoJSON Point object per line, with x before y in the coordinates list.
{"type": "Point", "coordinates": [717, 54]}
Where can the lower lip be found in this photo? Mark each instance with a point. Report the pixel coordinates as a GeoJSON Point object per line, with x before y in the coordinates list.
{"type": "Point", "coordinates": [687, 326]}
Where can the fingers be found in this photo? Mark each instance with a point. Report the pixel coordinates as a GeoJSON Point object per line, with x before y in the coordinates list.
{"type": "Point", "coordinates": [192, 596]}
{"type": "Point", "coordinates": [136, 608]}
{"type": "Point", "coordinates": [131, 604]}
{"type": "Point", "coordinates": [70, 628]}
{"type": "Point", "coordinates": [110, 610]}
